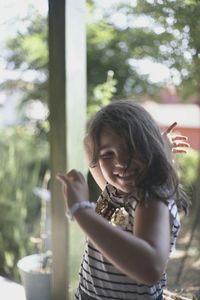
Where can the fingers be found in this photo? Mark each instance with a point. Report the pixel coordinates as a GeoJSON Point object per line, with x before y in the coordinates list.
{"type": "Point", "coordinates": [179, 141]}
{"type": "Point", "coordinates": [70, 177]}
{"type": "Point", "coordinates": [75, 187]}
{"type": "Point", "coordinates": [67, 181]}
{"type": "Point", "coordinates": [62, 178]}
{"type": "Point", "coordinates": [180, 145]}
{"type": "Point", "coordinates": [64, 182]}
{"type": "Point", "coordinates": [177, 151]}
{"type": "Point", "coordinates": [179, 137]}
{"type": "Point", "coordinates": [170, 128]}
{"type": "Point", "coordinates": [73, 174]}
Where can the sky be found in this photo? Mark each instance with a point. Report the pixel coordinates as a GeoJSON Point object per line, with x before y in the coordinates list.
{"type": "Point", "coordinates": [9, 9]}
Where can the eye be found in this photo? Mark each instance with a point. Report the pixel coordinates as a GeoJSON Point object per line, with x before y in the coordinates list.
{"type": "Point", "coordinates": [106, 155]}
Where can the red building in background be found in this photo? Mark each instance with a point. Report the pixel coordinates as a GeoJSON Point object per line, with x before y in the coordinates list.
{"type": "Point", "coordinates": [187, 117]}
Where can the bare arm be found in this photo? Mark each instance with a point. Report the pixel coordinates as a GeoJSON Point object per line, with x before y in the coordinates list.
{"type": "Point", "coordinates": [142, 256]}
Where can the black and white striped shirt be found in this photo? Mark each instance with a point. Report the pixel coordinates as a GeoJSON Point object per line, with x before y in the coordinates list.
{"type": "Point", "coordinates": [101, 280]}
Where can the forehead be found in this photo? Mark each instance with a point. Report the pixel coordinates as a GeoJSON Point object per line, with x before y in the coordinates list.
{"type": "Point", "coordinates": [109, 137]}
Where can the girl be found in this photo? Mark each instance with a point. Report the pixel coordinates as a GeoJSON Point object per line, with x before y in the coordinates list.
{"type": "Point", "coordinates": [135, 223]}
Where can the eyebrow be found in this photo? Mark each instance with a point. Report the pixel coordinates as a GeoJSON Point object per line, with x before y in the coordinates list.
{"type": "Point", "coordinates": [105, 147]}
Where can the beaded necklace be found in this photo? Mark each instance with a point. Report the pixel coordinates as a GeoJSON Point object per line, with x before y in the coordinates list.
{"type": "Point", "coordinates": [114, 207]}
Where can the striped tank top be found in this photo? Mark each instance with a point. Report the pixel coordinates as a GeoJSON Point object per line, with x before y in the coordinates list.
{"type": "Point", "coordinates": [98, 278]}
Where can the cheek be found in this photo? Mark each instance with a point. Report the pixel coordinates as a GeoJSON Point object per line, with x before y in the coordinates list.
{"type": "Point", "coordinates": [106, 167]}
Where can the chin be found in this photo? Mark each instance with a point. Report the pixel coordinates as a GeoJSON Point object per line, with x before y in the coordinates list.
{"type": "Point", "coordinates": [126, 189]}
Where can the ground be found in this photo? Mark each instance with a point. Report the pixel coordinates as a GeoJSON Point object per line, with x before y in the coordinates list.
{"type": "Point", "coordinates": [184, 265]}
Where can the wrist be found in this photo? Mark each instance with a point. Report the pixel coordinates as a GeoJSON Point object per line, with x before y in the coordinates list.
{"type": "Point", "coordinates": [79, 205]}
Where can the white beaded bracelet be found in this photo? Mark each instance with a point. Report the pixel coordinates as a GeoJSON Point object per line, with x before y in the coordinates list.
{"type": "Point", "coordinates": [76, 206]}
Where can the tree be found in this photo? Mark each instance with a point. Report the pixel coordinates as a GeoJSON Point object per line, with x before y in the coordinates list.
{"type": "Point", "coordinates": [24, 159]}
{"type": "Point", "coordinates": [27, 53]}
{"type": "Point", "coordinates": [177, 39]}
{"type": "Point", "coordinates": [113, 47]}
{"type": "Point", "coordinates": [170, 37]}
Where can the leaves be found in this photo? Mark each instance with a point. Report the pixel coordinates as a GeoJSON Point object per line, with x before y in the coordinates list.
{"type": "Point", "coordinates": [165, 32]}
{"type": "Point", "coordinates": [23, 159]}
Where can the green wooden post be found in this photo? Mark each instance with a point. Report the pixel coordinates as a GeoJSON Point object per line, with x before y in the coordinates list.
{"type": "Point", "coordinates": [67, 103]}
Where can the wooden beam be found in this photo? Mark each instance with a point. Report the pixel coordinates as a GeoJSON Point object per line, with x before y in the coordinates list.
{"type": "Point", "coordinates": [76, 81]}
{"type": "Point", "coordinates": [67, 104]}
{"type": "Point", "coordinates": [58, 144]}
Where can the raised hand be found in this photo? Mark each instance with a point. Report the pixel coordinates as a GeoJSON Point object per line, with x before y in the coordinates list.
{"type": "Point", "coordinates": [178, 143]}
{"type": "Point", "coordinates": [75, 188]}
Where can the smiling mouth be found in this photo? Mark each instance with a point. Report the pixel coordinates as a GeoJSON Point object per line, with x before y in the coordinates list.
{"type": "Point", "coordinates": [124, 176]}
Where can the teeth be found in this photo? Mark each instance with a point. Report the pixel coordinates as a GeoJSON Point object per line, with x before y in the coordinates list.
{"type": "Point", "coordinates": [116, 174]}
{"type": "Point", "coordinates": [124, 176]}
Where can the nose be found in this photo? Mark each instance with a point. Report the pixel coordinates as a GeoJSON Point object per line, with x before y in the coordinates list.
{"type": "Point", "coordinates": [120, 162]}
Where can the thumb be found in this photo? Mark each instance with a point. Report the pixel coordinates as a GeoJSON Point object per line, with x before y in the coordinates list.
{"type": "Point", "coordinates": [62, 178]}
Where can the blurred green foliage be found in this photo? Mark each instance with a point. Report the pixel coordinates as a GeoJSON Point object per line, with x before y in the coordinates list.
{"type": "Point", "coordinates": [102, 94]}
{"type": "Point", "coordinates": [187, 165]}
{"type": "Point", "coordinates": [23, 161]}
{"type": "Point", "coordinates": [169, 34]}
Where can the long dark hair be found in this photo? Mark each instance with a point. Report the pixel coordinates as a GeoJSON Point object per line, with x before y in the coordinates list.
{"type": "Point", "coordinates": [142, 136]}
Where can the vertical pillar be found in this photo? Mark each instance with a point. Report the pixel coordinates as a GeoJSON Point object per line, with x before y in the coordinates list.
{"type": "Point", "coordinates": [67, 104]}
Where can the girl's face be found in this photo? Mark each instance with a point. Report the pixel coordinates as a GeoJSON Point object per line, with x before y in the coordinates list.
{"type": "Point", "coordinates": [113, 159]}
